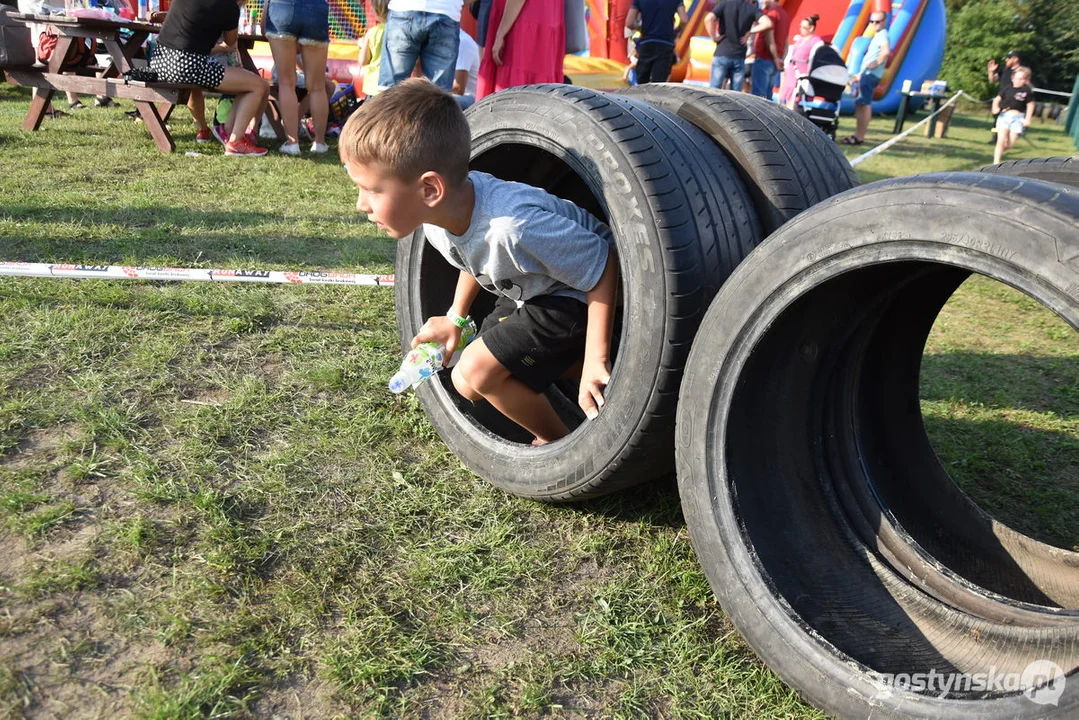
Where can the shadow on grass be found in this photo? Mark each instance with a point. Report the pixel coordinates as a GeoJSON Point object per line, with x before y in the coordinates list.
{"type": "Point", "coordinates": [1040, 384]}
{"type": "Point", "coordinates": [1025, 478]}
{"type": "Point", "coordinates": [154, 232]}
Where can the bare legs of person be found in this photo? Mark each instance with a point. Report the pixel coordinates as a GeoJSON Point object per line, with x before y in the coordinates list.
{"type": "Point", "coordinates": [862, 115]}
{"type": "Point", "coordinates": [196, 103]}
{"type": "Point", "coordinates": [479, 376]}
{"type": "Point", "coordinates": [251, 92]}
{"type": "Point", "coordinates": [314, 64]}
{"type": "Point", "coordinates": [1005, 140]}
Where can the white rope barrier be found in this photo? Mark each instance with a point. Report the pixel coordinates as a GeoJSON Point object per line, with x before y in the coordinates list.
{"type": "Point", "coordinates": [1052, 92]}
{"type": "Point", "coordinates": [892, 141]}
{"type": "Point", "coordinates": [132, 272]}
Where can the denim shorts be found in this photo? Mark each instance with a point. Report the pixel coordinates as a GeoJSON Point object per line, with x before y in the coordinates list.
{"type": "Point", "coordinates": [866, 85]}
{"type": "Point", "coordinates": [1011, 120]}
{"type": "Point", "coordinates": [305, 21]}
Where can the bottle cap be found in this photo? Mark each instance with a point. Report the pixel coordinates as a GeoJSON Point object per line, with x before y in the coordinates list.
{"type": "Point", "coordinates": [399, 383]}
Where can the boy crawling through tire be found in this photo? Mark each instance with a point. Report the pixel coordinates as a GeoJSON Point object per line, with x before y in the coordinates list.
{"type": "Point", "coordinates": [551, 263]}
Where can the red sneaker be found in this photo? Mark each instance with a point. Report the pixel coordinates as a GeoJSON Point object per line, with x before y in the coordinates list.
{"type": "Point", "coordinates": [243, 148]}
{"type": "Point", "coordinates": [204, 136]}
{"type": "Point", "coordinates": [221, 134]}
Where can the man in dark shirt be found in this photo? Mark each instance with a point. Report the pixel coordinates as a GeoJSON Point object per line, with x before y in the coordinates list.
{"type": "Point", "coordinates": [730, 24]}
{"type": "Point", "coordinates": [1002, 75]}
{"type": "Point", "coordinates": [655, 49]}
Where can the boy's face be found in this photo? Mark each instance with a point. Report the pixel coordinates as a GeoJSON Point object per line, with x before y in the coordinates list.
{"type": "Point", "coordinates": [1019, 79]}
{"type": "Point", "coordinates": [394, 205]}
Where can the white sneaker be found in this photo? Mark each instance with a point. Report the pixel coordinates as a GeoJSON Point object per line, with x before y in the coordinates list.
{"type": "Point", "coordinates": [266, 131]}
{"type": "Point", "coordinates": [319, 147]}
{"type": "Point", "coordinates": [290, 149]}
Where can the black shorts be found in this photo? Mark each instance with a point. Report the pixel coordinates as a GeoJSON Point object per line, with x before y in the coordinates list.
{"type": "Point", "coordinates": [538, 341]}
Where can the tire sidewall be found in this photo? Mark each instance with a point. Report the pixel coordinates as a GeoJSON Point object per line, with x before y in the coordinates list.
{"type": "Point", "coordinates": [850, 231]}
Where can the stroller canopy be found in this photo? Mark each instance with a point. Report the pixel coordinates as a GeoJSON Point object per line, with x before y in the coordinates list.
{"type": "Point", "coordinates": [828, 75]}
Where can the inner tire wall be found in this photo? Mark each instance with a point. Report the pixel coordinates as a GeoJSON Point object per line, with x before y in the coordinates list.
{"type": "Point", "coordinates": [799, 435]}
{"type": "Point", "coordinates": [786, 162]}
{"type": "Point", "coordinates": [681, 219]}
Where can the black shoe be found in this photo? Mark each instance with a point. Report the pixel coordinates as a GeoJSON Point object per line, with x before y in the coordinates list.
{"type": "Point", "coordinates": [105, 102]}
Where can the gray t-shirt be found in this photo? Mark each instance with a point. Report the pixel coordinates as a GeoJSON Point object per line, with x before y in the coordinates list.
{"type": "Point", "coordinates": [524, 242]}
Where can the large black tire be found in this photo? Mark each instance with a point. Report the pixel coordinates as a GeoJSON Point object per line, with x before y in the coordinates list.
{"type": "Point", "coordinates": [681, 219]}
{"type": "Point", "coordinates": [787, 163]}
{"type": "Point", "coordinates": [1063, 170]}
{"type": "Point", "coordinates": [828, 528]}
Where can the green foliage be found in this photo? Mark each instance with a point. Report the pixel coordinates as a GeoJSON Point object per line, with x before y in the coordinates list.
{"type": "Point", "coordinates": [1054, 54]}
{"type": "Point", "coordinates": [977, 31]}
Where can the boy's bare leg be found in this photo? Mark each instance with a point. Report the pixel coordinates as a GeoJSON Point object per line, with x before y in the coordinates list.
{"type": "Point", "coordinates": [480, 376]}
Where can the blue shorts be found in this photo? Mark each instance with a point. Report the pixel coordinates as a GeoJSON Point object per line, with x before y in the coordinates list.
{"type": "Point", "coordinates": [305, 21]}
{"type": "Point", "coordinates": [1010, 120]}
{"type": "Point", "coordinates": [866, 85]}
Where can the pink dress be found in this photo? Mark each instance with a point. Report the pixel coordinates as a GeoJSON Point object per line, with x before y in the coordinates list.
{"type": "Point", "coordinates": [797, 63]}
{"type": "Point", "coordinates": [534, 49]}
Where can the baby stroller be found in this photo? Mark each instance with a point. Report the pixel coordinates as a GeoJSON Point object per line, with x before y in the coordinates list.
{"type": "Point", "coordinates": [820, 89]}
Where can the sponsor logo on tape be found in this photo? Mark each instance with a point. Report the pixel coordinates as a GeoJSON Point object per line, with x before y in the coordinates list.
{"type": "Point", "coordinates": [242, 273]}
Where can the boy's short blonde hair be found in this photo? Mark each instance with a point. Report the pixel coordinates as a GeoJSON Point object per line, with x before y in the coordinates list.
{"type": "Point", "coordinates": [411, 128]}
{"type": "Point", "coordinates": [1023, 70]}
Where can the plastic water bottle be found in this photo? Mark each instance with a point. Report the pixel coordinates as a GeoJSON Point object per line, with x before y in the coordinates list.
{"type": "Point", "coordinates": [424, 360]}
{"type": "Point", "coordinates": [142, 9]}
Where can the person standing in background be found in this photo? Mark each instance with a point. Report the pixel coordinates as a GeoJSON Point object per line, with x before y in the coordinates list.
{"type": "Point", "coordinates": [730, 24]}
{"type": "Point", "coordinates": [655, 49]}
{"type": "Point", "coordinates": [769, 48]}
{"type": "Point", "coordinates": [304, 26]}
{"type": "Point", "coordinates": [797, 60]}
{"type": "Point", "coordinates": [876, 57]}
{"type": "Point", "coordinates": [467, 73]}
{"type": "Point", "coordinates": [1003, 77]}
{"type": "Point", "coordinates": [528, 45]}
{"type": "Point", "coordinates": [371, 49]}
{"type": "Point", "coordinates": [424, 30]}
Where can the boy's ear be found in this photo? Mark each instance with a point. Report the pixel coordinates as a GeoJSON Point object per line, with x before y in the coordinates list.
{"type": "Point", "coordinates": [433, 188]}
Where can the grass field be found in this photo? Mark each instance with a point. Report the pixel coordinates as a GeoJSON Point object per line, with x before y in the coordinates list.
{"type": "Point", "coordinates": [211, 506]}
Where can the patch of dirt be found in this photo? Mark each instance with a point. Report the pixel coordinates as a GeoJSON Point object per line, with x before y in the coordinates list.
{"type": "Point", "coordinates": [41, 446]}
{"type": "Point", "coordinates": [72, 663]}
{"type": "Point", "coordinates": [299, 698]}
{"type": "Point", "coordinates": [37, 377]}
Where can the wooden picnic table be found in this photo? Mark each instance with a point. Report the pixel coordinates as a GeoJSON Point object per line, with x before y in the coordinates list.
{"type": "Point", "coordinates": [154, 100]}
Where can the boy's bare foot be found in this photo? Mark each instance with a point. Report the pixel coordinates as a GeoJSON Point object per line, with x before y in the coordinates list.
{"type": "Point", "coordinates": [537, 442]}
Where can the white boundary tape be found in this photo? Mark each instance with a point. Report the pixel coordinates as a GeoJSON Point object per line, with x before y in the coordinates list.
{"type": "Point", "coordinates": [132, 272]}
{"type": "Point", "coordinates": [892, 141]}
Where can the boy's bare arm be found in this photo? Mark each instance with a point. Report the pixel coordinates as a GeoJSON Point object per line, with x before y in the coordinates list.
{"type": "Point", "coordinates": [596, 372]}
{"type": "Point", "coordinates": [439, 328]}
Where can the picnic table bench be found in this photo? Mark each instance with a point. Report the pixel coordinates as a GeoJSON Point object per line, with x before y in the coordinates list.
{"type": "Point", "coordinates": [154, 100]}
